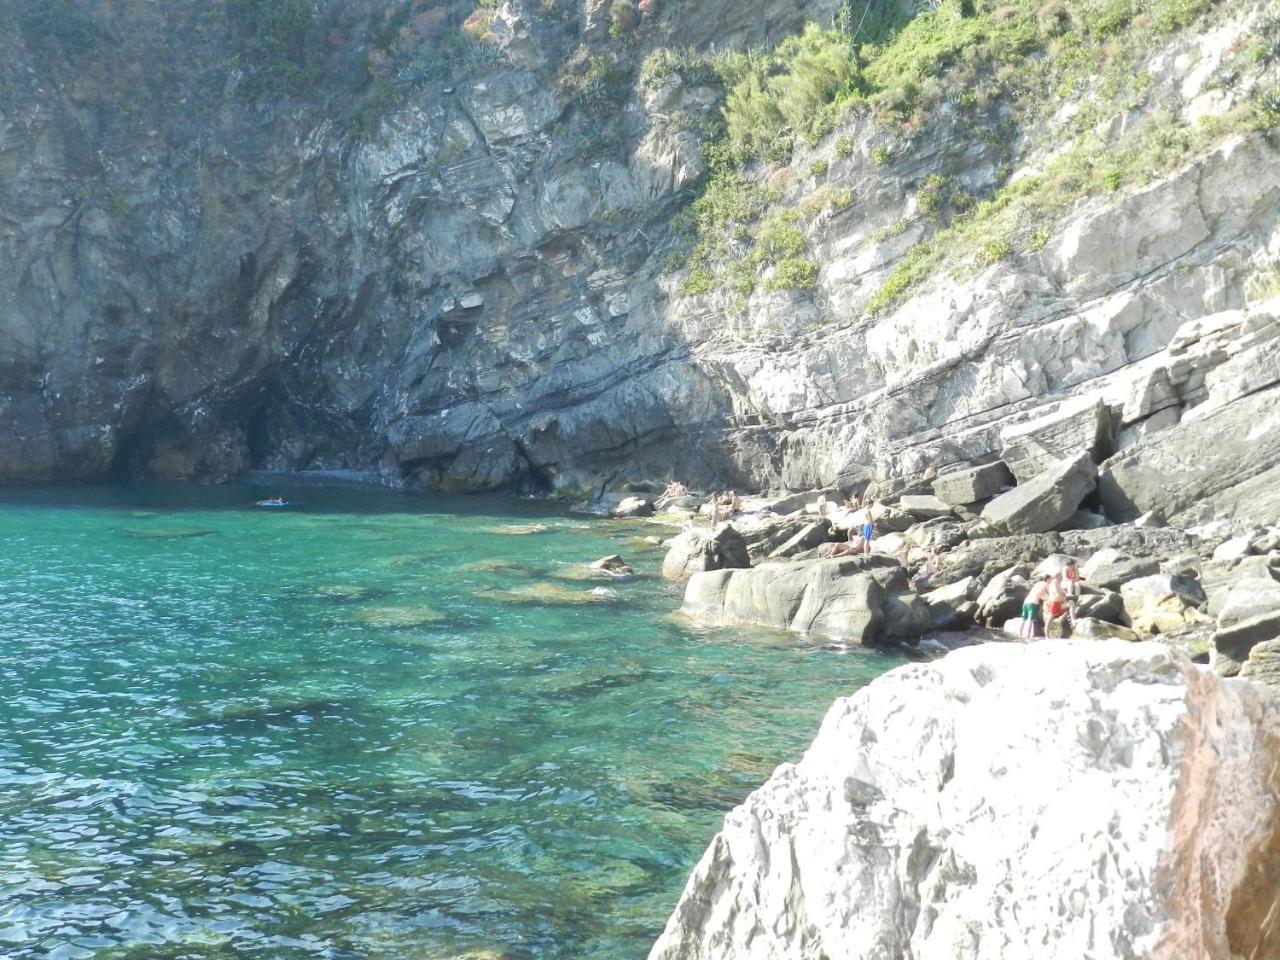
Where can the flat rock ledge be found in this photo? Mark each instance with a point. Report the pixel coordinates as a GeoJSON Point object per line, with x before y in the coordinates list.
{"type": "Point", "coordinates": [1058, 801]}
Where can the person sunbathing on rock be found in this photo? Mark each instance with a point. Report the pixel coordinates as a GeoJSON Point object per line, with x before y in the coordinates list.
{"type": "Point", "coordinates": [674, 491]}
{"type": "Point", "coordinates": [851, 547]}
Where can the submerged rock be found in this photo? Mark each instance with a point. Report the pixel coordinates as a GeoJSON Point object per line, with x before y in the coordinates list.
{"type": "Point", "coordinates": [923, 823]}
{"type": "Point", "coordinates": [398, 617]}
{"type": "Point", "coordinates": [556, 594]}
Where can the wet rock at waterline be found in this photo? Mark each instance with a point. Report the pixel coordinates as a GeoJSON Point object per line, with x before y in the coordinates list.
{"type": "Point", "coordinates": [919, 798]}
{"type": "Point", "coordinates": [858, 599]}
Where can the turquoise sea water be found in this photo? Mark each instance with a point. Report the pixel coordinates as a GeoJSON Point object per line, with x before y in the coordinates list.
{"type": "Point", "coordinates": [370, 726]}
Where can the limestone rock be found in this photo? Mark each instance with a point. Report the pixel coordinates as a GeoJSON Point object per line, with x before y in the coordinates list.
{"type": "Point", "coordinates": [970, 486]}
{"type": "Point", "coordinates": [923, 823]}
{"type": "Point", "coordinates": [1250, 615]}
{"type": "Point", "coordinates": [1109, 568]}
{"type": "Point", "coordinates": [1002, 597]}
{"type": "Point", "coordinates": [633, 507]}
{"type": "Point", "coordinates": [697, 550]}
{"type": "Point", "coordinates": [613, 565]}
{"type": "Point", "coordinates": [952, 605]}
{"type": "Point", "coordinates": [1264, 663]}
{"type": "Point", "coordinates": [1162, 602]}
{"type": "Point", "coordinates": [1079, 429]}
{"type": "Point", "coordinates": [1044, 502]}
{"type": "Point", "coordinates": [924, 507]}
{"type": "Point", "coordinates": [806, 538]}
{"type": "Point", "coordinates": [1087, 628]}
{"type": "Point", "coordinates": [1237, 548]}
{"type": "Point", "coordinates": [1231, 471]}
{"type": "Point", "coordinates": [855, 599]}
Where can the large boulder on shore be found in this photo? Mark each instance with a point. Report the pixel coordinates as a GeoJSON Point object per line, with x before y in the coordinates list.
{"type": "Point", "coordinates": [962, 487]}
{"type": "Point", "coordinates": [697, 550]}
{"type": "Point", "coordinates": [1133, 814]}
{"type": "Point", "coordinates": [1079, 428]}
{"type": "Point", "coordinates": [1046, 501]}
{"type": "Point", "coordinates": [1224, 462]}
{"type": "Point", "coordinates": [1162, 603]}
{"type": "Point", "coordinates": [1250, 615]}
{"type": "Point", "coordinates": [857, 599]}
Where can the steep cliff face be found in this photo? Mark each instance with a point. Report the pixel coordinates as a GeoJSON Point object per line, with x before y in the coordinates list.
{"type": "Point", "coordinates": [476, 289]}
{"type": "Point", "coordinates": [1134, 815]}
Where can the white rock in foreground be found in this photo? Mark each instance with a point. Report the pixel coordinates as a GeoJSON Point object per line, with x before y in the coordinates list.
{"type": "Point", "coordinates": [1065, 801]}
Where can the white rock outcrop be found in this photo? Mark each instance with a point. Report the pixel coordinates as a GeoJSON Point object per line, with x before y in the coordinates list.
{"type": "Point", "coordinates": [1067, 801]}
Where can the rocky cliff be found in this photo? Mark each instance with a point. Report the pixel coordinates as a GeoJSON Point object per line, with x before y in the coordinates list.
{"type": "Point", "coordinates": [1133, 815]}
{"type": "Point", "coordinates": [449, 243]}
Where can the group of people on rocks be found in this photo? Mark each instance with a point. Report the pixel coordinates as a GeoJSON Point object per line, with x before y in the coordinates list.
{"type": "Point", "coordinates": [858, 517]}
{"type": "Point", "coordinates": [1051, 600]}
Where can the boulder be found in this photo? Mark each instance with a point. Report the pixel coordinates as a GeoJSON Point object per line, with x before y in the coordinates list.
{"type": "Point", "coordinates": [952, 605]}
{"type": "Point", "coordinates": [1106, 605]}
{"type": "Point", "coordinates": [633, 507]}
{"type": "Point", "coordinates": [924, 507]}
{"type": "Point", "coordinates": [1162, 602]}
{"type": "Point", "coordinates": [1134, 816]}
{"type": "Point", "coordinates": [1214, 464]}
{"type": "Point", "coordinates": [1109, 568]}
{"type": "Point", "coordinates": [1044, 502]}
{"type": "Point", "coordinates": [1087, 628]}
{"type": "Point", "coordinates": [697, 550]}
{"type": "Point", "coordinates": [1082, 429]}
{"type": "Point", "coordinates": [1250, 615]}
{"type": "Point", "coordinates": [1263, 664]}
{"type": "Point", "coordinates": [855, 599]}
{"type": "Point", "coordinates": [1237, 548]}
{"type": "Point", "coordinates": [613, 565]}
{"type": "Point", "coordinates": [1002, 597]}
{"type": "Point", "coordinates": [964, 487]}
{"type": "Point", "coordinates": [890, 520]}
{"type": "Point", "coordinates": [806, 538]}
{"type": "Point", "coordinates": [798, 501]}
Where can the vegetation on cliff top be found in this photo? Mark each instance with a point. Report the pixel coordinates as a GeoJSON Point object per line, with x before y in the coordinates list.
{"type": "Point", "coordinates": [998, 68]}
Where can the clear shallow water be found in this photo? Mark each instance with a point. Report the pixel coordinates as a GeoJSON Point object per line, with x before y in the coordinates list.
{"type": "Point", "coordinates": [358, 729]}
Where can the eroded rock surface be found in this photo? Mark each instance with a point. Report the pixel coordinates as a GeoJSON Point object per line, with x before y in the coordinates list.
{"type": "Point", "coordinates": [1136, 815]}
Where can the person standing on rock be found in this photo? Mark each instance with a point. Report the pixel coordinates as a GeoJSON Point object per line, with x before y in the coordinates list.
{"type": "Point", "coordinates": [1071, 586]}
{"type": "Point", "coordinates": [1031, 608]}
{"type": "Point", "coordinates": [868, 525]}
{"type": "Point", "coordinates": [1055, 604]}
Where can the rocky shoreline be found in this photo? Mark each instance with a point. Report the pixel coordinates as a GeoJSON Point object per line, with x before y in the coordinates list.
{"type": "Point", "coordinates": [1113, 794]}
{"type": "Point", "coordinates": [942, 574]}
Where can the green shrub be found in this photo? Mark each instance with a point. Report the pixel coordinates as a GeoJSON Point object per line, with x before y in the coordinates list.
{"type": "Point", "coordinates": [699, 281]}
{"type": "Point", "coordinates": [880, 155]}
{"type": "Point", "coordinates": [844, 147]}
{"type": "Point", "coordinates": [793, 273]}
{"type": "Point", "coordinates": [993, 251]}
{"type": "Point", "coordinates": [774, 98]}
{"type": "Point", "coordinates": [624, 18]}
{"type": "Point", "coordinates": [598, 83]}
{"type": "Point", "coordinates": [818, 168]}
{"type": "Point", "coordinates": [270, 39]}
{"type": "Point", "coordinates": [1264, 284]}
